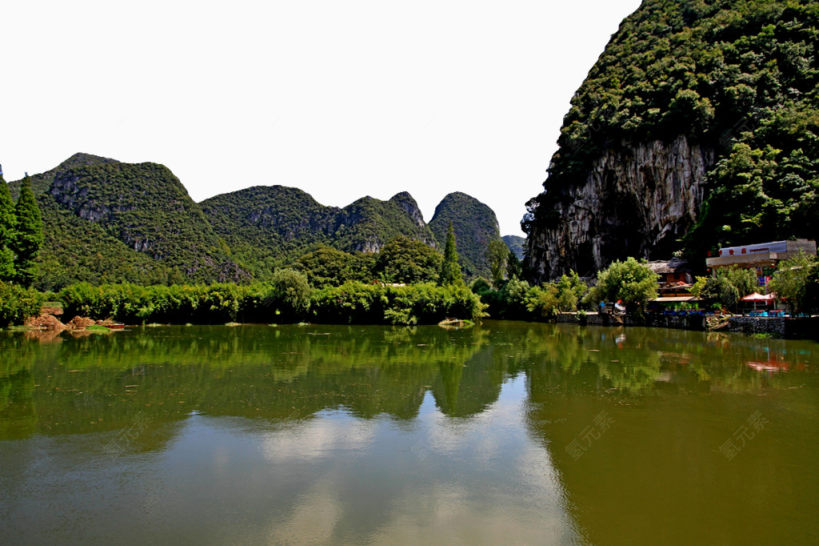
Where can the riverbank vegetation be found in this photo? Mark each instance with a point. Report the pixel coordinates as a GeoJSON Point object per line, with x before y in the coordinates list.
{"type": "Point", "coordinates": [629, 282]}
{"type": "Point", "coordinates": [287, 298]}
{"type": "Point", "coordinates": [18, 303]}
{"type": "Point", "coordinates": [796, 281]}
{"type": "Point", "coordinates": [322, 294]}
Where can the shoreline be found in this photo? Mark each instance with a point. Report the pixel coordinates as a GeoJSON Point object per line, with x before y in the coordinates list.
{"type": "Point", "coordinates": [791, 328]}
{"type": "Point", "coordinates": [777, 327]}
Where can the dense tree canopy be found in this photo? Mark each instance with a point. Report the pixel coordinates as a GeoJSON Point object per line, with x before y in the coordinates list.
{"type": "Point", "coordinates": [291, 293]}
{"type": "Point", "coordinates": [796, 281]}
{"type": "Point", "coordinates": [405, 260]}
{"type": "Point", "coordinates": [475, 226]}
{"type": "Point", "coordinates": [727, 286]}
{"type": "Point", "coordinates": [327, 266]}
{"type": "Point", "coordinates": [629, 281]}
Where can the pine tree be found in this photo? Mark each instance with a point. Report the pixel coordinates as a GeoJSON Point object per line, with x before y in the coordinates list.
{"type": "Point", "coordinates": [6, 232]}
{"type": "Point", "coordinates": [498, 257]}
{"type": "Point", "coordinates": [29, 234]}
{"type": "Point", "coordinates": [450, 269]}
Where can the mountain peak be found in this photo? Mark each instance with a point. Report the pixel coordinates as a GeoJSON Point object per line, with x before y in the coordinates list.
{"type": "Point", "coordinates": [409, 205]}
{"type": "Point", "coordinates": [475, 226]}
{"type": "Point", "coordinates": [81, 158]}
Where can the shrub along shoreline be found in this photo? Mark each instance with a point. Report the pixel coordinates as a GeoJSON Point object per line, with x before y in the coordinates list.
{"type": "Point", "coordinates": [288, 298]}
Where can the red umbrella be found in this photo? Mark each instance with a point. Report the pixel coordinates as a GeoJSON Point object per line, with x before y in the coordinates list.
{"type": "Point", "coordinates": [756, 296]}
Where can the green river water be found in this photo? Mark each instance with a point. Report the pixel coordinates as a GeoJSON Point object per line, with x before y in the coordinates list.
{"type": "Point", "coordinates": [506, 433]}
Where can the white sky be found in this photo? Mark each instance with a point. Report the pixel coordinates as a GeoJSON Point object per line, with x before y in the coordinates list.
{"type": "Point", "coordinates": [339, 98]}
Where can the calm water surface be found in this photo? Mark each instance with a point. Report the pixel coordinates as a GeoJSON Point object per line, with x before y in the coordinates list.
{"type": "Point", "coordinates": [505, 433]}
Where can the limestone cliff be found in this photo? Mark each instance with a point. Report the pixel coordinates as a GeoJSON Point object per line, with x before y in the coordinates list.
{"type": "Point", "coordinates": [697, 127]}
{"type": "Point", "coordinates": [635, 202]}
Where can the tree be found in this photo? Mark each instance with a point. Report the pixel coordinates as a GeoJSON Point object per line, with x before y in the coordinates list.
{"type": "Point", "coordinates": [631, 282]}
{"type": "Point", "coordinates": [727, 287]}
{"type": "Point", "coordinates": [405, 260]}
{"type": "Point", "coordinates": [7, 222]}
{"type": "Point", "coordinates": [497, 255]}
{"type": "Point", "coordinates": [327, 266]}
{"type": "Point", "coordinates": [744, 280]}
{"type": "Point", "coordinates": [570, 290]}
{"type": "Point", "coordinates": [542, 301]}
{"type": "Point", "coordinates": [291, 293]}
{"type": "Point", "coordinates": [795, 282]}
{"type": "Point", "coordinates": [450, 268]}
{"type": "Point", "coordinates": [514, 267]}
{"type": "Point", "coordinates": [29, 234]}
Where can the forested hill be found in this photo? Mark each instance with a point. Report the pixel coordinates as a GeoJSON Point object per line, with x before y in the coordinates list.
{"type": "Point", "coordinates": [516, 245]}
{"type": "Point", "coordinates": [475, 226]}
{"type": "Point", "coordinates": [111, 221]}
{"type": "Point", "coordinates": [107, 221]}
{"type": "Point", "coordinates": [268, 226]}
{"type": "Point", "coordinates": [697, 127]}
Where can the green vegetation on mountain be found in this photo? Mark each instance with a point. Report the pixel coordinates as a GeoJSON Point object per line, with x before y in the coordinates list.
{"type": "Point", "coordinates": [270, 226]}
{"type": "Point", "coordinates": [112, 222]}
{"type": "Point", "coordinates": [401, 260]}
{"type": "Point", "coordinates": [266, 226]}
{"type": "Point", "coordinates": [368, 224]}
{"type": "Point", "coordinates": [516, 244]}
{"type": "Point", "coordinates": [738, 77]}
{"type": "Point", "coordinates": [146, 207]}
{"type": "Point", "coordinates": [475, 226]}
{"type": "Point", "coordinates": [76, 250]}
{"type": "Point", "coordinates": [106, 221]}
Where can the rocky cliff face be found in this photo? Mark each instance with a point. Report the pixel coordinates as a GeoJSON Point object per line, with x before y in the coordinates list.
{"type": "Point", "coordinates": [145, 207]}
{"type": "Point", "coordinates": [681, 88]}
{"type": "Point", "coordinates": [635, 201]}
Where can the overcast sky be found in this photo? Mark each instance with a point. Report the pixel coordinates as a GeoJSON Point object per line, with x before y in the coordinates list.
{"type": "Point", "coordinates": [339, 98]}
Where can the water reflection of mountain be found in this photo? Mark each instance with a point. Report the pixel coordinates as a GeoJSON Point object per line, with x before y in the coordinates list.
{"type": "Point", "coordinates": [288, 373]}
{"type": "Point", "coordinates": [630, 425]}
